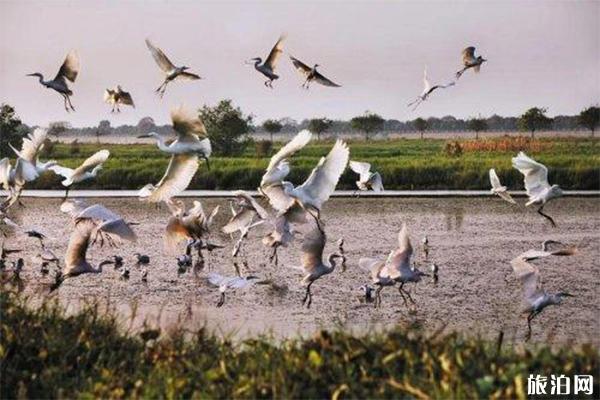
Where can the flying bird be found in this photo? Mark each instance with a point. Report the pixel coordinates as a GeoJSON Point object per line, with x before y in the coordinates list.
{"type": "Point", "coordinates": [367, 179]}
{"type": "Point", "coordinates": [311, 74]}
{"type": "Point", "coordinates": [281, 236]}
{"type": "Point", "coordinates": [538, 189]}
{"type": "Point", "coordinates": [470, 61]}
{"type": "Point", "coordinates": [117, 96]}
{"type": "Point", "coordinates": [192, 225]}
{"type": "Point", "coordinates": [428, 89]}
{"type": "Point", "coordinates": [68, 71]}
{"type": "Point", "coordinates": [88, 170]}
{"type": "Point", "coordinates": [13, 179]}
{"type": "Point", "coordinates": [32, 146]}
{"type": "Point", "coordinates": [312, 260]}
{"type": "Point", "coordinates": [268, 67]}
{"type": "Point", "coordinates": [227, 283]}
{"type": "Point", "coordinates": [243, 219]}
{"type": "Point", "coordinates": [498, 189]}
{"type": "Point", "coordinates": [169, 69]}
{"type": "Point", "coordinates": [535, 296]}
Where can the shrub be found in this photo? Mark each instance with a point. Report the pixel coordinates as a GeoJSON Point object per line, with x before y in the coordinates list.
{"type": "Point", "coordinates": [263, 148]}
{"type": "Point", "coordinates": [453, 149]}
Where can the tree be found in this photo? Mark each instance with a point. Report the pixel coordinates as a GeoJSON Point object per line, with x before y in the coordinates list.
{"type": "Point", "coordinates": [9, 129]}
{"type": "Point", "coordinates": [319, 125]}
{"type": "Point", "coordinates": [589, 118]}
{"type": "Point", "coordinates": [272, 126]}
{"type": "Point", "coordinates": [58, 127]}
{"type": "Point", "coordinates": [227, 127]}
{"type": "Point", "coordinates": [367, 123]}
{"type": "Point", "coordinates": [477, 125]}
{"type": "Point", "coordinates": [420, 125]}
{"type": "Point", "coordinates": [534, 119]}
{"type": "Point", "coordinates": [103, 129]}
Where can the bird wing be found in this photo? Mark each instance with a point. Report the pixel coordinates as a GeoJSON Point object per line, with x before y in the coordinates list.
{"type": "Point", "coordinates": [297, 143]}
{"type": "Point", "coordinates": [529, 276]}
{"type": "Point", "coordinates": [5, 169]}
{"type": "Point", "coordinates": [118, 227]}
{"type": "Point", "coordinates": [536, 174]}
{"type": "Point", "coordinates": [161, 59]}
{"type": "Point", "coordinates": [62, 171]}
{"type": "Point", "coordinates": [494, 180]}
{"type": "Point", "coordinates": [302, 68]}
{"type": "Point", "coordinates": [70, 67]}
{"type": "Point", "coordinates": [506, 196]}
{"type": "Point", "coordinates": [24, 172]}
{"type": "Point", "coordinates": [98, 212]}
{"type": "Point", "coordinates": [324, 177]}
{"type": "Point", "coordinates": [361, 168]}
{"type": "Point", "coordinates": [376, 182]}
{"type": "Point", "coordinates": [312, 249]}
{"type": "Point", "coordinates": [275, 53]}
{"type": "Point", "coordinates": [125, 98]}
{"type": "Point", "coordinates": [109, 96]}
{"type": "Point", "coordinates": [373, 266]}
{"type": "Point", "coordinates": [73, 207]}
{"type": "Point", "coordinates": [187, 125]}
{"type": "Point", "coordinates": [320, 78]}
{"type": "Point", "coordinates": [278, 199]}
{"type": "Point", "coordinates": [400, 259]}
{"type": "Point", "coordinates": [239, 221]}
{"type": "Point", "coordinates": [32, 145]}
{"type": "Point", "coordinates": [78, 245]}
{"type": "Point", "coordinates": [468, 54]}
{"type": "Point", "coordinates": [177, 177]}
{"type": "Point", "coordinates": [262, 213]}
{"type": "Point", "coordinates": [175, 232]}
{"type": "Point", "coordinates": [215, 279]}
{"type": "Point", "coordinates": [92, 162]}
{"type": "Point", "coordinates": [426, 83]}
{"type": "Point", "coordinates": [188, 76]}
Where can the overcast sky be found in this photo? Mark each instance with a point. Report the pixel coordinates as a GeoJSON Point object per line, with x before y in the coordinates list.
{"type": "Point", "coordinates": [541, 53]}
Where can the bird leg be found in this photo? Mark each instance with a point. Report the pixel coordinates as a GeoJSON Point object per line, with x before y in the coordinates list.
{"type": "Point", "coordinates": [378, 296]}
{"type": "Point", "coordinates": [69, 101]}
{"type": "Point", "coordinates": [273, 255]}
{"type": "Point", "coordinates": [530, 318]}
{"type": "Point", "coordinates": [308, 295]}
{"type": "Point", "coordinates": [402, 294]}
{"type": "Point", "coordinates": [65, 102]}
{"type": "Point", "coordinates": [221, 300]}
{"type": "Point", "coordinates": [549, 218]}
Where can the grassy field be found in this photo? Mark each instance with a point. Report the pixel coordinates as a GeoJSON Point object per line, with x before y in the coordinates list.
{"type": "Point", "coordinates": [45, 353]}
{"type": "Point", "coordinates": [405, 164]}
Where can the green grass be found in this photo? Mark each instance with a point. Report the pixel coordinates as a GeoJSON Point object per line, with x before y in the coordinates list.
{"type": "Point", "coordinates": [404, 164]}
{"type": "Point", "coordinates": [45, 353]}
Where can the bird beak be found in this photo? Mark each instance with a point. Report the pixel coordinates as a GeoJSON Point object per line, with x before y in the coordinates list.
{"type": "Point", "coordinates": [568, 295]}
{"type": "Point", "coordinates": [143, 136]}
{"type": "Point", "coordinates": [30, 75]}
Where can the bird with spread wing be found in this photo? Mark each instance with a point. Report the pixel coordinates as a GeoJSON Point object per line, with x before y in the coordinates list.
{"type": "Point", "coordinates": [170, 71]}
{"type": "Point", "coordinates": [311, 74]}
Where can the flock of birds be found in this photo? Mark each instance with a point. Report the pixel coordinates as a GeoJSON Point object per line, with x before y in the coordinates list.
{"type": "Point", "coordinates": [297, 209]}
{"type": "Point", "coordinates": [70, 69]}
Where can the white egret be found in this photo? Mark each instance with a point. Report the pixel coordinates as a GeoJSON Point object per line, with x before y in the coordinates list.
{"type": "Point", "coordinates": [281, 236]}
{"type": "Point", "coordinates": [118, 96]}
{"type": "Point", "coordinates": [535, 296]}
{"type": "Point", "coordinates": [13, 179]}
{"type": "Point", "coordinates": [428, 89]}
{"type": "Point", "coordinates": [169, 69]}
{"type": "Point", "coordinates": [313, 265]}
{"type": "Point", "coordinates": [498, 189]}
{"type": "Point", "coordinates": [367, 179]}
{"type": "Point", "coordinates": [191, 225]}
{"type": "Point", "coordinates": [227, 283]}
{"type": "Point", "coordinates": [470, 61]}
{"type": "Point", "coordinates": [536, 183]}
{"type": "Point", "coordinates": [88, 170]}
{"type": "Point", "coordinates": [32, 146]}
{"type": "Point", "coordinates": [243, 219]}
{"type": "Point", "coordinates": [311, 74]}
{"type": "Point", "coordinates": [68, 71]}
{"type": "Point", "coordinates": [268, 67]}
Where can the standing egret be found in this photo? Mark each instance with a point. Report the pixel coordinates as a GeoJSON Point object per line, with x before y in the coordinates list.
{"type": "Point", "coordinates": [312, 260]}
{"type": "Point", "coordinates": [171, 71]}
{"type": "Point", "coordinates": [498, 189]}
{"type": "Point", "coordinates": [535, 296]}
{"type": "Point", "coordinates": [536, 183]}
{"type": "Point", "coordinates": [243, 219]}
{"type": "Point", "coordinates": [117, 96]}
{"type": "Point", "coordinates": [88, 170]}
{"type": "Point", "coordinates": [268, 67]}
{"type": "Point", "coordinates": [68, 71]}
{"type": "Point", "coordinates": [367, 179]}
{"type": "Point", "coordinates": [470, 61]}
{"type": "Point", "coordinates": [184, 160]}
{"type": "Point", "coordinates": [428, 89]}
{"type": "Point", "coordinates": [311, 74]}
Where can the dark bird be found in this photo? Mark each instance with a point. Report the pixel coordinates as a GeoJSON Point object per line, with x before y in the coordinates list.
{"type": "Point", "coordinates": [68, 71]}
{"type": "Point", "coordinates": [118, 96]}
{"type": "Point", "coordinates": [268, 67]}
{"type": "Point", "coordinates": [170, 70]}
{"type": "Point", "coordinates": [311, 74]}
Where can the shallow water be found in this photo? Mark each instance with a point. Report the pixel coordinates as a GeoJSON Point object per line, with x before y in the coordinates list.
{"type": "Point", "coordinates": [472, 241]}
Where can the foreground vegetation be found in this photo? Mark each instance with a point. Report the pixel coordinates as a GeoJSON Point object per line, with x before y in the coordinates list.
{"type": "Point", "coordinates": [405, 164]}
{"type": "Point", "coordinates": [45, 353]}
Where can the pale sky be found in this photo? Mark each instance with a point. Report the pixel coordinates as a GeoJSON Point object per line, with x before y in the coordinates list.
{"type": "Point", "coordinates": [541, 53]}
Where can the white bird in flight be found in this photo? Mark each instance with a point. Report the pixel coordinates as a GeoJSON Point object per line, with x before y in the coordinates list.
{"type": "Point", "coordinates": [311, 74]}
{"type": "Point", "coordinates": [428, 89]}
{"type": "Point", "coordinates": [192, 225]}
{"type": "Point", "coordinates": [170, 70]}
{"type": "Point", "coordinates": [118, 96]}
{"type": "Point", "coordinates": [367, 179]}
{"type": "Point", "coordinates": [497, 187]}
{"type": "Point", "coordinates": [535, 296]}
{"type": "Point", "coordinates": [227, 283]}
{"type": "Point", "coordinates": [68, 71]}
{"type": "Point", "coordinates": [88, 170]}
{"type": "Point", "coordinates": [536, 183]}
{"type": "Point", "coordinates": [243, 219]}
{"type": "Point", "coordinates": [268, 67]}
{"type": "Point", "coordinates": [184, 160]}
{"type": "Point", "coordinates": [470, 61]}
